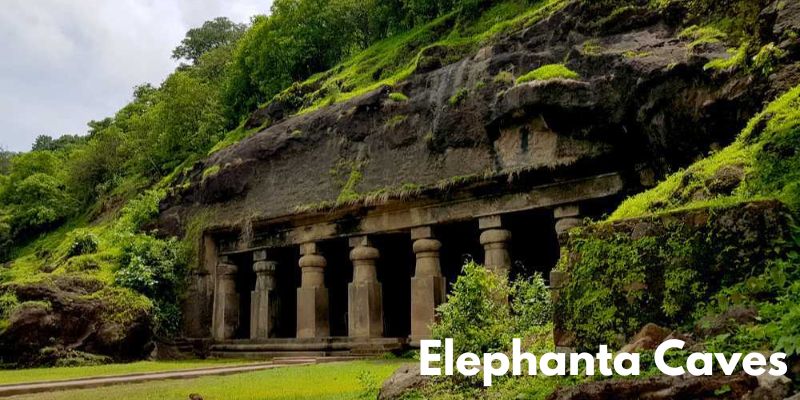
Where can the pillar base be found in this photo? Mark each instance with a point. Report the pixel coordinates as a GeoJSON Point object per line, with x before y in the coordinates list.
{"type": "Point", "coordinates": [427, 292]}
{"type": "Point", "coordinates": [312, 312]}
{"type": "Point", "coordinates": [365, 310]}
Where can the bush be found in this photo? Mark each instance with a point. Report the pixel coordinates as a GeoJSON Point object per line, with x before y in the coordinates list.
{"type": "Point", "coordinates": [157, 269]}
{"type": "Point", "coordinates": [479, 316]}
{"type": "Point", "coordinates": [530, 303]}
{"type": "Point", "coordinates": [83, 242]}
{"type": "Point", "coordinates": [476, 314]}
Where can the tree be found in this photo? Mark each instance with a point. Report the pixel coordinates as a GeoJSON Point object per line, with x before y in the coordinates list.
{"type": "Point", "coordinates": [212, 34]}
{"type": "Point", "coordinates": [43, 142]}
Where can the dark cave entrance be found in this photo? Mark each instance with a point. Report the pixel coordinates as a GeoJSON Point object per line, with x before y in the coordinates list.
{"type": "Point", "coordinates": [338, 274]}
{"type": "Point", "coordinates": [395, 268]}
{"type": "Point", "coordinates": [534, 245]}
{"type": "Point", "coordinates": [245, 283]}
{"type": "Point", "coordinates": [287, 276]}
{"type": "Point", "coordinates": [460, 244]}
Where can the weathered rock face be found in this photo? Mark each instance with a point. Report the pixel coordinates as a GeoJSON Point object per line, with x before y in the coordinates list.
{"type": "Point", "coordinates": [644, 104]}
{"type": "Point", "coordinates": [69, 315]}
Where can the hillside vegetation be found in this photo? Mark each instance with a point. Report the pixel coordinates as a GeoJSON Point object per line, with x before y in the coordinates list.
{"type": "Point", "coordinates": [81, 206]}
{"type": "Point", "coordinates": [76, 212]}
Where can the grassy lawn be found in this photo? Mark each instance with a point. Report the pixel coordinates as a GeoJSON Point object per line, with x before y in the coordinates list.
{"type": "Point", "coordinates": [345, 380]}
{"type": "Point", "coordinates": [48, 374]}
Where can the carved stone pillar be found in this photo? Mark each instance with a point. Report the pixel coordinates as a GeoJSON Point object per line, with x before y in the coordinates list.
{"type": "Point", "coordinates": [427, 285]}
{"type": "Point", "coordinates": [566, 217]}
{"type": "Point", "coordinates": [495, 245]}
{"type": "Point", "coordinates": [226, 301]}
{"type": "Point", "coordinates": [312, 296]}
{"type": "Point", "coordinates": [364, 295]}
{"type": "Point", "coordinates": [263, 300]}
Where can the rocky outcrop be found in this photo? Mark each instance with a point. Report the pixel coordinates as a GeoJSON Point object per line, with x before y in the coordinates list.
{"type": "Point", "coordinates": [402, 381]}
{"type": "Point", "coordinates": [643, 105]}
{"type": "Point", "coordinates": [66, 318]}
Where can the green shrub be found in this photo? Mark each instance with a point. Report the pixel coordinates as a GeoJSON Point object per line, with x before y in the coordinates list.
{"type": "Point", "coordinates": [484, 311]}
{"type": "Point", "coordinates": [476, 314]}
{"type": "Point", "coordinates": [530, 303]}
{"type": "Point", "coordinates": [550, 71]}
{"type": "Point", "coordinates": [157, 269]}
{"type": "Point", "coordinates": [82, 242]}
{"type": "Point", "coordinates": [139, 211]}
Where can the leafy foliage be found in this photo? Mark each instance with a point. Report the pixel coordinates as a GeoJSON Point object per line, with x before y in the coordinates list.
{"type": "Point", "coordinates": [212, 34]}
{"type": "Point", "coordinates": [83, 242]}
{"type": "Point", "coordinates": [484, 311]}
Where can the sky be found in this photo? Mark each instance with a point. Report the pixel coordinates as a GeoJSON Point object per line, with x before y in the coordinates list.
{"type": "Point", "coordinates": [66, 62]}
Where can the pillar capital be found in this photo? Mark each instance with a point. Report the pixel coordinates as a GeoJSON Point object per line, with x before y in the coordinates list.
{"type": "Point", "coordinates": [312, 261]}
{"type": "Point", "coordinates": [490, 222]}
{"type": "Point", "coordinates": [309, 248]}
{"type": "Point", "coordinates": [264, 267]}
{"type": "Point", "coordinates": [426, 246]}
{"type": "Point", "coordinates": [259, 255]}
{"type": "Point", "coordinates": [495, 236]}
{"type": "Point", "coordinates": [421, 232]}
{"type": "Point", "coordinates": [364, 253]}
{"type": "Point", "coordinates": [359, 241]}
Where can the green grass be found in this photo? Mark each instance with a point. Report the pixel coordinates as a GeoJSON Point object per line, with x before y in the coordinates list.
{"type": "Point", "coordinates": [550, 71]}
{"type": "Point", "coordinates": [348, 380]}
{"type": "Point", "coordinates": [62, 373]}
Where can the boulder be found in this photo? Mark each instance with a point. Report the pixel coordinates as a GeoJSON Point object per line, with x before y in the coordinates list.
{"type": "Point", "coordinates": [648, 338]}
{"type": "Point", "coordinates": [402, 380]}
{"type": "Point", "coordinates": [770, 388]}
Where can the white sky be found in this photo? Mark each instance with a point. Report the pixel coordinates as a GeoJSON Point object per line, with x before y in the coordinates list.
{"type": "Point", "coordinates": [65, 62]}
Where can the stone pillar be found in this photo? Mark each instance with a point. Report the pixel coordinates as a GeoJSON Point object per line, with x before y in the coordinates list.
{"type": "Point", "coordinates": [364, 295]}
{"type": "Point", "coordinates": [495, 245]}
{"type": "Point", "coordinates": [566, 217]}
{"type": "Point", "coordinates": [263, 300]}
{"type": "Point", "coordinates": [312, 296]}
{"type": "Point", "coordinates": [226, 301]}
{"type": "Point", "coordinates": [427, 285]}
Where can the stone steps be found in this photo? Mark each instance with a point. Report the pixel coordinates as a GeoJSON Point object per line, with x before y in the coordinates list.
{"type": "Point", "coordinates": [323, 347]}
